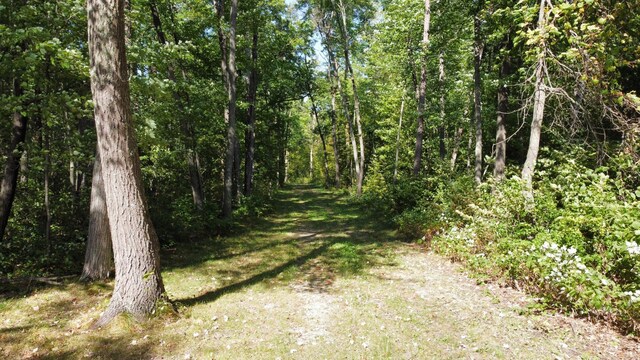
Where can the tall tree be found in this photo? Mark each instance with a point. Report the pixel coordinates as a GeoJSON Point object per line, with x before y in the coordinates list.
{"type": "Point", "coordinates": [478, 49]}
{"type": "Point", "coordinates": [250, 132]}
{"type": "Point", "coordinates": [138, 285]}
{"type": "Point", "coordinates": [326, 32]}
{"type": "Point", "coordinates": [422, 89]}
{"type": "Point", "coordinates": [443, 92]}
{"type": "Point", "coordinates": [539, 98]}
{"type": "Point", "coordinates": [356, 101]}
{"type": "Point", "coordinates": [227, 41]}
{"type": "Point", "coordinates": [501, 129]}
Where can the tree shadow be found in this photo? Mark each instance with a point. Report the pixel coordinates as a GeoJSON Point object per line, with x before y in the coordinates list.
{"type": "Point", "coordinates": [210, 296]}
{"type": "Point", "coordinates": [307, 223]}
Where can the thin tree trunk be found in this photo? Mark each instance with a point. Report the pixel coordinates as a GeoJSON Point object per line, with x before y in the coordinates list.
{"type": "Point", "coordinates": [456, 147]}
{"type": "Point", "coordinates": [250, 134]}
{"type": "Point", "coordinates": [395, 163]}
{"type": "Point", "coordinates": [11, 169]}
{"type": "Point", "coordinates": [138, 285]}
{"type": "Point", "coordinates": [228, 62]}
{"type": "Point", "coordinates": [356, 101]}
{"type": "Point", "coordinates": [47, 176]}
{"type": "Point", "coordinates": [441, 128]}
{"type": "Point", "coordinates": [477, 95]}
{"type": "Point", "coordinates": [333, 78]}
{"type": "Point", "coordinates": [316, 117]}
{"type": "Point", "coordinates": [422, 89]}
{"type": "Point", "coordinates": [352, 137]}
{"type": "Point", "coordinates": [539, 98]}
{"type": "Point", "coordinates": [282, 158]}
{"type": "Point", "coordinates": [98, 258]}
{"type": "Point", "coordinates": [334, 135]}
{"type": "Point", "coordinates": [501, 132]}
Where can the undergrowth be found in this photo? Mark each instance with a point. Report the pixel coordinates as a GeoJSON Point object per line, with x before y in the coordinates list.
{"type": "Point", "coordinates": [576, 249]}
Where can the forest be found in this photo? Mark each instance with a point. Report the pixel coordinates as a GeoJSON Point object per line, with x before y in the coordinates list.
{"type": "Point", "coordinates": [168, 160]}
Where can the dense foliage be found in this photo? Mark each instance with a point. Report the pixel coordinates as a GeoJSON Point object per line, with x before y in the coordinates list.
{"type": "Point", "coordinates": [341, 88]}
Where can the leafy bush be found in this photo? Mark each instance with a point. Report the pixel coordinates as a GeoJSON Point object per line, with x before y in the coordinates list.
{"type": "Point", "coordinates": [578, 248]}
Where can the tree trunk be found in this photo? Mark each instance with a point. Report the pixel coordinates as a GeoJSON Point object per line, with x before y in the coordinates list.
{"type": "Point", "coordinates": [356, 101]}
{"type": "Point", "coordinates": [477, 96]}
{"type": "Point", "coordinates": [395, 163]}
{"type": "Point", "coordinates": [315, 117]}
{"type": "Point", "coordinates": [501, 132]}
{"type": "Point", "coordinates": [345, 106]}
{"type": "Point", "coordinates": [441, 128]}
{"type": "Point", "coordinates": [333, 78]}
{"type": "Point", "coordinates": [47, 178]}
{"type": "Point", "coordinates": [250, 134]}
{"type": "Point", "coordinates": [422, 89]}
{"type": "Point", "coordinates": [11, 168]}
{"type": "Point", "coordinates": [138, 285]}
{"type": "Point", "coordinates": [98, 258]}
{"type": "Point", "coordinates": [539, 98]}
{"type": "Point", "coordinates": [456, 147]}
{"type": "Point", "coordinates": [228, 62]}
{"type": "Point", "coordinates": [334, 135]}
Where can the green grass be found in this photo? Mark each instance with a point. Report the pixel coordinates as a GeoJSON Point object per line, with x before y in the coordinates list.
{"type": "Point", "coordinates": [313, 237]}
{"type": "Point", "coordinates": [316, 279]}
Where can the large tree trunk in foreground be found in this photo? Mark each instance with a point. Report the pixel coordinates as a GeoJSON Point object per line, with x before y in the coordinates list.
{"type": "Point", "coordinates": [422, 90]}
{"type": "Point", "coordinates": [539, 98]}
{"type": "Point", "coordinates": [138, 285]}
{"type": "Point", "coordinates": [11, 168]}
{"type": "Point", "coordinates": [98, 258]}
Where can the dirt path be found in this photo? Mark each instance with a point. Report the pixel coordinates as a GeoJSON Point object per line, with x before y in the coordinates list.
{"type": "Point", "coordinates": [314, 280]}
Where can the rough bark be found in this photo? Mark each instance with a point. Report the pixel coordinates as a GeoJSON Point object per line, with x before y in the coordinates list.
{"type": "Point", "coordinates": [12, 167]}
{"type": "Point", "coordinates": [477, 97]}
{"type": "Point", "coordinates": [138, 285]}
{"type": "Point", "coordinates": [539, 98]}
{"type": "Point", "coordinates": [422, 90]}
{"type": "Point", "coordinates": [250, 134]}
{"type": "Point", "coordinates": [98, 258]}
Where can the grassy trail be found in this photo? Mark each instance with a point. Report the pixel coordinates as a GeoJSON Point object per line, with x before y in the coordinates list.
{"type": "Point", "coordinates": [316, 279]}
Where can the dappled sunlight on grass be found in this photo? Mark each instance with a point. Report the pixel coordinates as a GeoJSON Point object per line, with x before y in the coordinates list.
{"type": "Point", "coordinates": [314, 279]}
{"type": "Point", "coordinates": [311, 240]}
